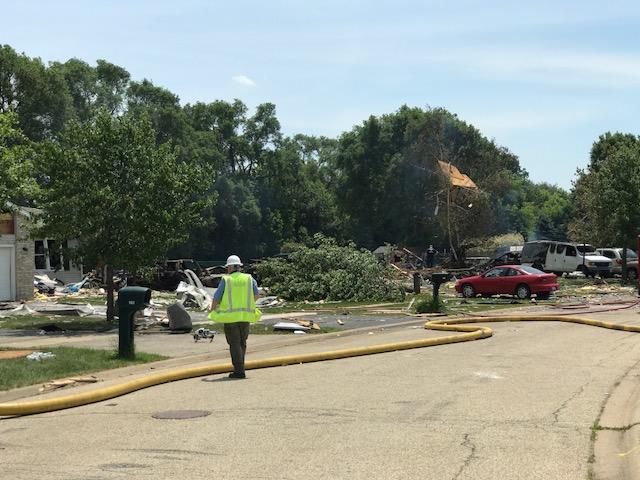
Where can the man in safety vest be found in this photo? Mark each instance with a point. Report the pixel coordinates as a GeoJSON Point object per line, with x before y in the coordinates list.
{"type": "Point", "coordinates": [236, 298]}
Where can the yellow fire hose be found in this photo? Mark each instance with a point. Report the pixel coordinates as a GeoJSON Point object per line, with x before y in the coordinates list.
{"type": "Point", "coordinates": [467, 333]}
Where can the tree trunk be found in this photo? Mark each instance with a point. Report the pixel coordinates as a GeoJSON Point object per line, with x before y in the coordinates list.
{"type": "Point", "coordinates": [453, 250]}
{"type": "Point", "coordinates": [109, 282]}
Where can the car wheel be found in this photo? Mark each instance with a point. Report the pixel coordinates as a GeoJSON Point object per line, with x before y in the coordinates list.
{"type": "Point", "coordinates": [543, 296]}
{"type": "Point", "coordinates": [632, 273]}
{"type": "Point", "coordinates": [558, 274]}
{"type": "Point", "coordinates": [523, 291]}
{"type": "Point", "coordinates": [468, 291]}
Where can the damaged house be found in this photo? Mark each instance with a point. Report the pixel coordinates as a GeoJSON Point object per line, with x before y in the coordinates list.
{"type": "Point", "coordinates": [21, 257]}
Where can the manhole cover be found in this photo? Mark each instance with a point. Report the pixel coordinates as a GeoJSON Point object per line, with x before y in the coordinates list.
{"type": "Point", "coordinates": [180, 414]}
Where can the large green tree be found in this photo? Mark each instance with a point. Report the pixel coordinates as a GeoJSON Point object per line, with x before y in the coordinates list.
{"type": "Point", "coordinates": [37, 94]}
{"type": "Point", "coordinates": [606, 195]}
{"type": "Point", "coordinates": [390, 189]}
{"type": "Point", "coordinates": [16, 163]}
{"type": "Point", "coordinates": [126, 199]}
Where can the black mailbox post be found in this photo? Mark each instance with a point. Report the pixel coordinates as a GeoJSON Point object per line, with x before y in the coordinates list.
{"type": "Point", "coordinates": [438, 279]}
{"type": "Point", "coordinates": [130, 301]}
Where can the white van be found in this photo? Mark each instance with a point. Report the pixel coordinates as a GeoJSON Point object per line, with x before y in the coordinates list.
{"type": "Point", "coordinates": [561, 257]}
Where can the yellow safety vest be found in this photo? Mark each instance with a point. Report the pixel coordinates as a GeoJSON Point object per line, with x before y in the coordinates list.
{"type": "Point", "coordinates": [238, 303]}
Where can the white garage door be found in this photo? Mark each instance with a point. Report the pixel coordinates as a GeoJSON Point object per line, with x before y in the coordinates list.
{"type": "Point", "coordinates": [5, 273]}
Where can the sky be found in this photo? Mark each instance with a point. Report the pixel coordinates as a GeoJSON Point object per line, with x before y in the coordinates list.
{"type": "Point", "coordinates": [544, 79]}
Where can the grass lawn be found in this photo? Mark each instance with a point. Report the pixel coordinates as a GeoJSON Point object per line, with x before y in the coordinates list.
{"type": "Point", "coordinates": [19, 372]}
{"type": "Point", "coordinates": [36, 322]}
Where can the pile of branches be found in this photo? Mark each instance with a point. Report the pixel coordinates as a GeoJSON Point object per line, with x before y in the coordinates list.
{"type": "Point", "coordinates": [328, 271]}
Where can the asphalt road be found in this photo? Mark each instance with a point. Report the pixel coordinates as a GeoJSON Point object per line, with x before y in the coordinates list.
{"type": "Point", "coordinates": [519, 405]}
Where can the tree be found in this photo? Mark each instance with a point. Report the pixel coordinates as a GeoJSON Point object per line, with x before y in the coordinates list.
{"type": "Point", "coordinates": [37, 94]}
{"type": "Point", "coordinates": [607, 194]}
{"type": "Point", "coordinates": [124, 198]}
{"type": "Point", "coordinates": [16, 163]}
{"type": "Point", "coordinates": [389, 189]}
{"type": "Point", "coordinates": [161, 106]}
{"type": "Point", "coordinates": [93, 88]}
{"type": "Point", "coordinates": [607, 145]}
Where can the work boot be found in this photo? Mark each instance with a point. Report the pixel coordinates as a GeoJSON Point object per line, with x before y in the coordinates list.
{"type": "Point", "coordinates": [237, 376]}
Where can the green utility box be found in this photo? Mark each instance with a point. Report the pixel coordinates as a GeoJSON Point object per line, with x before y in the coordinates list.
{"type": "Point", "coordinates": [130, 300]}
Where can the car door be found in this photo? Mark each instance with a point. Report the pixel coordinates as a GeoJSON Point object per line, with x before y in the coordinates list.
{"type": "Point", "coordinates": [570, 259]}
{"type": "Point", "coordinates": [491, 280]}
{"type": "Point", "coordinates": [511, 279]}
{"type": "Point", "coordinates": [552, 259]}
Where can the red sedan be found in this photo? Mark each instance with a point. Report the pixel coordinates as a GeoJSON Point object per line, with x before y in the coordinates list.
{"type": "Point", "coordinates": [519, 280]}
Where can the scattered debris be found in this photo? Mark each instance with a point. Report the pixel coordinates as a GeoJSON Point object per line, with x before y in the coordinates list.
{"type": "Point", "coordinates": [179, 318]}
{"type": "Point", "coordinates": [339, 322]}
{"type": "Point", "coordinates": [22, 309]}
{"type": "Point", "coordinates": [73, 381]}
{"type": "Point", "coordinates": [267, 302]}
{"type": "Point", "coordinates": [44, 284]}
{"type": "Point", "coordinates": [193, 295]}
{"type": "Point", "coordinates": [289, 326]}
{"type": "Point", "coordinates": [39, 356]}
{"type": "Point", "coordinates": [308, 323]}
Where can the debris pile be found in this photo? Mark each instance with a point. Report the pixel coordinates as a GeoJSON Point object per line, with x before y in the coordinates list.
{"type": "Point", "coordinates": [267, 302]}
{"type": "Point", "coordinates": [39, 356]}
{"type": "Point", "coordinates": [298, 326]}
{"type": "Point", "coordinates": [73, 381]}
{"type": "Point", "coordinates": [192, 292]}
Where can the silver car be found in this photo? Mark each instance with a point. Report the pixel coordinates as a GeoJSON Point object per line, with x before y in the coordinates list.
{"type": "Point", "coordinates": [615, 254]}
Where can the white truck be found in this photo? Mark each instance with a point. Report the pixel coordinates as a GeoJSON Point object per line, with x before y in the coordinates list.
{"type": "Point", "coordinates": [562, 257]}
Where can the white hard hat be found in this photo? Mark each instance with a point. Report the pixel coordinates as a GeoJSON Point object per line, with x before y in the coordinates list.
{"type": "Point", "coordinates": [233, 260]}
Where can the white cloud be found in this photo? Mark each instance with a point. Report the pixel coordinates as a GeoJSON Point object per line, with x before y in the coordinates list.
{"type": "Point", "coordinates": [244, 80]}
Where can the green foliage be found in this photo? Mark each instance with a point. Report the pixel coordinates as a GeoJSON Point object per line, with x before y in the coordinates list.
{"type": "Point", "coordinates": [538, 211]}
{"type": "Point", "coordinates": [328, 271]}
{"type": "Point", "coordinates": [427, 304]}
{"type": "Point", "coordinates": [37, 94]}
{"type": "Point", "coordinates": [607, 194]}
{"type": "Point", "coordinates": [378, 183]}
{"type": "Point", "coordinates": [390, 188]}
{"type": "Point", "coordinates": [126, 199]}
{"type": "Point", "coordinates": [16, 163]}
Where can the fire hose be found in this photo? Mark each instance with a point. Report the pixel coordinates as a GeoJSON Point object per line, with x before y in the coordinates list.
{"type": "Point", "coordinates": [465, 333]}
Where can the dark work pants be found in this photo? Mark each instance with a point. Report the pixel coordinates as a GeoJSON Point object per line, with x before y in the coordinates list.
{"type": "Point", "coordinates": [236, 334]}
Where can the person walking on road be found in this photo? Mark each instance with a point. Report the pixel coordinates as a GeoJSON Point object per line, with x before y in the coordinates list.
{"type": "Point", "coordinates": [234, 305]}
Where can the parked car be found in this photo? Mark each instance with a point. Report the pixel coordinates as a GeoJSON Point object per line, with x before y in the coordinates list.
{"type": "Point", "coordinates": [519, 280]}
{"type": "Point", "coordinates": [615, 255]}
{"type": "Point", "coordinates": [562, 257]}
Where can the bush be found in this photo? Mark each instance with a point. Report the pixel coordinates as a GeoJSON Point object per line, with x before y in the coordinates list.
{"type": "Point", "coordinates": [427, 304]}
{"type": "Point", "coordinates": [328, 271]}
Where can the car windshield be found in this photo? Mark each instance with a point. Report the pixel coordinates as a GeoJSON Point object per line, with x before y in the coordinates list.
{"type": "Point", "coordinates": [531, 270]}
{"type": "Point", "coordinates": [630, 254]}
{"type": "Point", "coordinates": [586, 248]}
